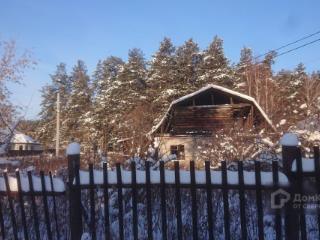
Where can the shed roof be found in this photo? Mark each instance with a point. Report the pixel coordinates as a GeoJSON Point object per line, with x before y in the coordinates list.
{"type": "Point", "coordinates": [19, 137]}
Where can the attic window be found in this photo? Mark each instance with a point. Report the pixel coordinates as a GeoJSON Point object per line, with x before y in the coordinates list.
{"type": "Point", "coordinates": [178, 150]}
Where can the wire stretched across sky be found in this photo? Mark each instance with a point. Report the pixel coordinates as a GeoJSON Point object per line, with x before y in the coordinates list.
{"type": "Point", "coordinates": [289, 44]}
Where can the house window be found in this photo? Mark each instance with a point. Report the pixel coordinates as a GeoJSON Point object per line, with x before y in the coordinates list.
{"type": "Point", "coordinates": [178, 150]}
{"type": "Point", "coordinates": [110, 147]}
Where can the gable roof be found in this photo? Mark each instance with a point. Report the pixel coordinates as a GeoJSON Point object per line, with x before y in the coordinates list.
{"type": "Point", "coordinates": [19, 137]}
{"type": "Point", "coordinates": [215, 87]}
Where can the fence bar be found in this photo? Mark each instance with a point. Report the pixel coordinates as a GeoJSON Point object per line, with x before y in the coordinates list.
{"type": "Point", "coordinates": [209, 200]}
{"type": "Point", "coordinates": [12, 214]}
{"type": "Point", "coordinates": [178, 199]}
{"type": "Point", "coordinates": [300, 191]}
{"type": "Point", "coordinates": [92, 203]}
{"type": "Point", "coordinates": [75, 197]}
{"type": "Point", "coordinates": [34, 207]}
{"type": "Point", "coordinates": [2, 222]}
{"type": "Point", "coordinates": [54, 207]}
{"type": "Point", "coordinates": [120, 202]}
{"type": "Point", "coordinates": [23, 213]}
{"type": "Point", "coordinates": [275, 179]}
{"type": "Point", "coordinates": [291, 217]}
{"type": "Point", "coordinates": [242, 201]}
{"type": "Point", "coordinates": [257, 169]}
{"type": "Point", "coordinates": [225, 200]}
{"type": "Point", "coordinates": [106, 202]}
{"type": "Point", "coordinates": [163, 201]}
{"type": "Point", "coordinates": [134, 200]}
{"type": "Point", "coordinates": [317, 173]}
{"type": "Point", "coordinates": [45, 205]}
{"type": "Point", "coordinates": [148, 193]}
{"type": "Point", "coordinates": [194, 200]}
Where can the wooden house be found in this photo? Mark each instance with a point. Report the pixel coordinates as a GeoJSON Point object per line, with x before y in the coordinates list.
{"type": "Point", "coordinates": [22, 142]}
{"type": "Point", "coordinates": [196, 116]}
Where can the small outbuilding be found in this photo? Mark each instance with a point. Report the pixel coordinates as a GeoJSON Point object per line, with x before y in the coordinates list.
{"type": "Point", "coordinates": [22, 142]}
{"type": "Point", "coordinates": [195, 117]}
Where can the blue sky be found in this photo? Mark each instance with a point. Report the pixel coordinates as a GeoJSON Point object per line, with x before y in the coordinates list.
{"type": "Point", "coordinates": [64, 31]}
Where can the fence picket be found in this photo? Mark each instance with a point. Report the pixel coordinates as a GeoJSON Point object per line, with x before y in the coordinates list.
{"type": "Point", "coordinates": [23, 213]}
{"type": "Point", "coordinates": [92, 203]}
{"type": "Point", "coordinates": [225, 200]}
{"type": "Point", "coordinates": [2, 222]}
{"type": "Point", "coordinates": [33, 205]}
{"type": "Point", "coordinates": [209, 200]}
{"type": "Point", "coordinates": [148, 193]}
{"type": "Point", "coordinates": [178, 199]}
{"type": "Point", "coordinates": [163, 201]}
{"type": "Point", "coordinates": [317, 173]}
{"type": "Point", "coordinates": [75, 212]}
{"type": "Point", "coordinates": [275, 180]}
{"type": "Point", "coordinates": [134, 200]}
{"type": "Point", "coordinates": [300, 191]}
{"type": "Point", "coordinates": [243, 221]}
{"type": "Point", "coordinates": [45, 205]}
{"type": "Point", "coordinates": [120, 201]}
{"type": "Point", "coordinates": [257, 168]}
{"type": "Point", "coordinates": [194, 201]}
{"type": "Point", "coordinates": [54, 207]}
{"type": "Point", "coordinates": [106, 201]}
{"type": "Point", "coordinates": [10, 200]}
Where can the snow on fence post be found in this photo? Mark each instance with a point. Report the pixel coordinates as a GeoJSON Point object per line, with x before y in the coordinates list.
{"type": "Point", "coordinates": [73, 154]}
{"type": "Point", "coordinates": [289, 143]}
{"type": "Point", "coordinates": [290, 152]}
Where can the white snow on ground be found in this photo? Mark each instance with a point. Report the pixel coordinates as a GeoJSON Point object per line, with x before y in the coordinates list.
{"type": "Point", "coordinates": [289, 139]}
{"type": "Point", "coordinates": [216, 177]}
{"type": "Point", "coordinates": [4, 161]}
{"type": "Point", "coordinates": [73, 149]}
{"type": "Point", "coordinates": [58, 184]}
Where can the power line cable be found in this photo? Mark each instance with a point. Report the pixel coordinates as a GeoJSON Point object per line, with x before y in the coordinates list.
{"type": "Point", "coordinates": [285, 52]}
{"type": "Point", "coordinates": [296, 48]}
{"type": "Point", "coordinates": [289, 44]}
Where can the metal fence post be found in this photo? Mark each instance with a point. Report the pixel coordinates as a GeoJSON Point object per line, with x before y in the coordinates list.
{"type": "Point", "coordinates": [289, 143]}
{"type": "Point", "coordinates": [75, 210]}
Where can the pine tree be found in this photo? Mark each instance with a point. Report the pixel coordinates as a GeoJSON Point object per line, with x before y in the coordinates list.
{"type": "Point", "coordinates": [129, 91]}
{"type": "Point", "coordinates": [79, 104]}
{"type": "Point", "coordinates": [162, 65]}
{"type": "Point", "coordinates": [105, 80]}
{"type": "Point", "coordinates": [291, 84]}
{"type": "Point", "coordinates": [188, 60]}
{"type": "Point", "coordinates": [47, 126]}
{"type": "Point", "coordinates": [215, 67]}
{"type": "Point", "coordinates": [162, 77]}
{"type": "Point", "coordinates": [244, 72]}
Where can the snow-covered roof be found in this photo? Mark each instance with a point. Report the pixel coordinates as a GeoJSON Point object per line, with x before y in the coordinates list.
{"type": "Point", "coordinates": [216, 87]}
{"type": "Point", "coordinates": [22, 138]}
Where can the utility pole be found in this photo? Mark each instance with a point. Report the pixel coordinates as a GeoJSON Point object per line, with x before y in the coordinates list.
{"type": "Point", "coordinates": [58, 125]}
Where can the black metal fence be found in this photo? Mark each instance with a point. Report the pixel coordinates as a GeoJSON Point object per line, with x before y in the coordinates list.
{"type": "Point", "coordinates": [198, 191]}
{"type": "Point", "coordinates": [30, 207]}
{"type": "Point", "coordinates": [156, 203]}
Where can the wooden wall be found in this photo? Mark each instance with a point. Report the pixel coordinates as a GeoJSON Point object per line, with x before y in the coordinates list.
{"type": "Point", "coordinates": [202, 119]}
